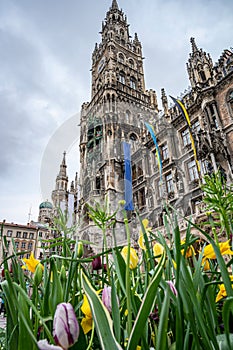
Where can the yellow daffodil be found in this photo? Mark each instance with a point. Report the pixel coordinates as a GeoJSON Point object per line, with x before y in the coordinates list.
{"type": "Point", "coordinates": [31, 263]}
{"type": "Point", "coordinates": [147, 229]}
{"type": "Point", "coordinates": [224, 247]}
{"type": "Point", "coordinates": [158, 249]}
{"type": "Point", "coordinates": [222, 291]}
{"type": "Point", "coordinates": [133, 262]}
{"type": "Point", "coordinates": [189, 252]}
{"type": "Point", "coordinates": [206, 265]}
{"type": "Point", "coordinates": [86, 322]}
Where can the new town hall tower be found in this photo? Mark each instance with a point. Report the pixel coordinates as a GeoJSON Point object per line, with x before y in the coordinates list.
{"type": "Point", "coordinates": [119, 107]}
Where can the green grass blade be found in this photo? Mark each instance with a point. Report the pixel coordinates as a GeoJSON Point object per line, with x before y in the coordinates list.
{"type": "Point", "coordinates": [145, 309]}
{"type": "Point", "coordinates": [103, 322]}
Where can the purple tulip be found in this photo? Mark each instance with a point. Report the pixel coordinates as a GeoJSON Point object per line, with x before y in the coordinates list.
{"type": "Point", "coordinates": [106, 298]}
{"type": "Point", "coordinates": [65, 329]}
{"type": "Point", "coordinates": [172, 287]}
{"type": "Point", "coordinates": [65, 326]}
{"type": "Point", "coordinates": [96, 263]}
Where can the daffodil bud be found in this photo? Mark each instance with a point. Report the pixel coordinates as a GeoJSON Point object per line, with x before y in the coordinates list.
{"type": "Point", "coordinates": [38, 274]}
{"type": "Point", "coordinates": [80, 249]}
{"type": "Point", "coordinates": [63, 274]}
{"type": "Point", "coordinates": [65, 326]}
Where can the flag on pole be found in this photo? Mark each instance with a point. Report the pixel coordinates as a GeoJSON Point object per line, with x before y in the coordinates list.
{"type": "Point", "coordinates": [158, 156]}
{"type": "Point", "coordinates": [185, 115]}
{"type": "Point", "coordinates": [128, 177]}
{"type": "Point", "coordinates": [70, 210]}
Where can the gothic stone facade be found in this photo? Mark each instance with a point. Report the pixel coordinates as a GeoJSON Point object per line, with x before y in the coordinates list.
{"type": "Point", "coordinates": [119, 107]}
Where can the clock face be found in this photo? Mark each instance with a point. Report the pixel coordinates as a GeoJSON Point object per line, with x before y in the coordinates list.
{"type": "Point", "coordinates": [101, 64]}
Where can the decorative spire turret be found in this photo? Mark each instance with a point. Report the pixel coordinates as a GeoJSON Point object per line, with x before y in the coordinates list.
{"type": "Point", "coordinates": [114, 5]}
{"type": "Point", "coordinates": [194, 46]}
{"type": "Point", "coordinates": [199, 67]}
{"type": "Point", "coordinates": [63, 166]}
{"type": "Point", "coordinates": [60, 193]}
{"type": "Point", "coordinates": [164, 102]}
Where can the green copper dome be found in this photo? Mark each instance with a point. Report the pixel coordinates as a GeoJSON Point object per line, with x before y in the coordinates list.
{"type": "Point", "coordinates": [46, 205]}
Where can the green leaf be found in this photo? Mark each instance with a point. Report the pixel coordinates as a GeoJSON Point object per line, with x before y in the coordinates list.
{"type": "Point", "coordinates": [161, 343]}
{"type": "Point", "coordinates": [56, 296]}
{"type": "Point", "coordinates": [120, 267]}
{"type": "Point", "coordinates": [102, 319]}
{"type": "Point", "coordinates": [145, 309]}
{"type": "Point", "coordinates": [227, 310]}
{"type": "Point", "coordinates": [115, 312]}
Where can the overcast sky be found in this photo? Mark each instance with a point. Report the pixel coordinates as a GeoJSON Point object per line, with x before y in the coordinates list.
{"type": "Point", "coordinates": [45, 61]}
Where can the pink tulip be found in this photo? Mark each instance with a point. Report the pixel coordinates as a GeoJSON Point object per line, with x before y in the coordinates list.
{"type": "Point", "coordinates": [106, 298]}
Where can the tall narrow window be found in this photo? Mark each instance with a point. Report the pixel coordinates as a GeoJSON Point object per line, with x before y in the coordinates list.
{"type": "Point", "coordinates": [169, 183]}
{"type": "Point", "coordinates": [192, 169]}
{"type": "Point", "coordinates": [133, 83]}
{"type": "Point", "coordinates": [122, 77]}
{"type": "Point", "coordinates": [164, 149]}
{"type": "Point", "coordinates": [214, 121]}
{"type": "Point", "coordinates": [186, 137]}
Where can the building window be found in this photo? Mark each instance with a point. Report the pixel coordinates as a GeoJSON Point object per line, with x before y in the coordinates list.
{"type": "Point", "coordinates": [160, 188]}
{"type": "Point", "coordinates": [9, 233]}
{"type": "Point", "coordinates": [122, 77]}
{"type": "Point", "coordinates": [196, 127]}
{"type": "Point", "coordinates": [18, 234]}
{"type": "Point", "coordinates": [192, 169]}
{"type": "Point", "coordinates": [169, 183]}
{"type": "Point", "coordinates": [164, 151]}
{"type": "Point", "coordinates": [204, 166]}
{"type": "Point", "coordinates": [131, 63]}
{"type": "Point", "coordinates": [23, 245]}
{"type": "Point", "coordinates": [214, 122]}
{"type": "Point", "coordinates": [31, 235]}
{"type": "Point", "coordinates": [133, 83]}
{"type": "Point", "coordinates": [186, 137]}
{"type": "Point", "coordinates": [16, 245]}
{"type": "Point", "coordinates": [121, 58]}
{"type": "Point", "coordinates": [40, 234]}
{"type": "Point", "coordinates": [133, 137]}
{"type": "Point", "coordinates": [8, 243]}
{"type": "Point", "coordinates": [230, 100]}
{"type": "Point", "coordinates": [30, 246]}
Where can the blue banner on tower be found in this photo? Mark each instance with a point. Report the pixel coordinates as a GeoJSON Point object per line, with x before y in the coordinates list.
{"type": "Point", "coordinates": [128, 178]}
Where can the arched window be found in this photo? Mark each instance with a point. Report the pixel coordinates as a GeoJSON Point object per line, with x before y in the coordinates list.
{"type": "Point", "coordinates": [133, 137]}
{"type": "Point", "coordinates": [121, 58]}
{"type": "Point", "coordinates": [122, 32]}
{"type": "Point", "coordinates": [127, 116]}
{"type": "Point", "coordinates": [131, 63]}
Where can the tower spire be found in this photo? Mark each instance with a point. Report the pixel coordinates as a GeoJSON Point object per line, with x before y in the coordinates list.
{"type": "Point", "coordinates": [63, 165]}
{"type": "Point", "coordinates": [194, 46]}
{"type": "Point", "coordinates": [114, 5]}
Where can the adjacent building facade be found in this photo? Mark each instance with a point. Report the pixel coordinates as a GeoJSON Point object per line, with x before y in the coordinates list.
{"type": "Point", "coordinates": [19, 239]}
